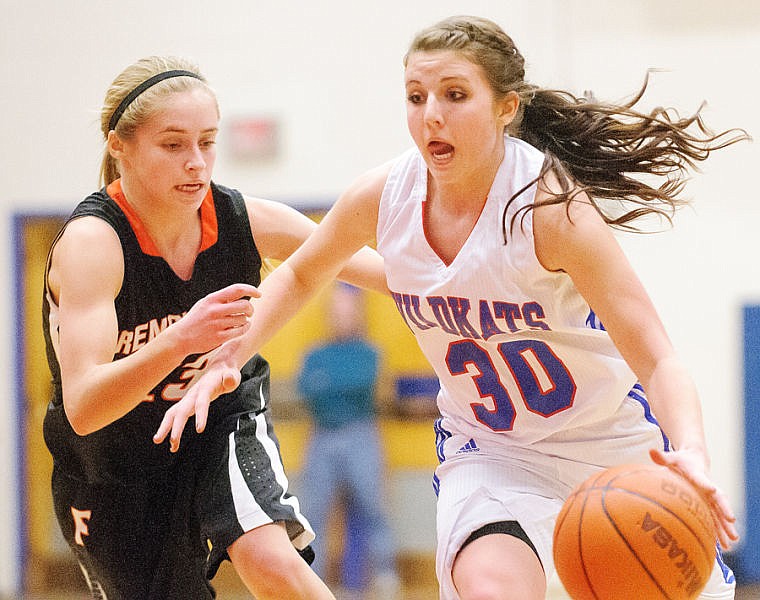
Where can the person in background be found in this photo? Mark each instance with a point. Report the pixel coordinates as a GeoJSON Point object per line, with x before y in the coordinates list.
{"type": "Point", "coordinates": [496, 232]}
{"type": "Point", "coordinates": [344, 459]}
{"type": "Point", "coordinates": [146, 279]}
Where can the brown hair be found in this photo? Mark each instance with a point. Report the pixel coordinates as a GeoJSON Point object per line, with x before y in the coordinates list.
{"type": "Point", "coordinates": [592, 146]}
{"type": "Point", "coordinates": [144, 105]}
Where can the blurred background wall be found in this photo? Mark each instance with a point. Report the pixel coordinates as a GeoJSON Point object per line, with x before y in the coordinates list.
{"type": "Point", "coordinates": [311, 95]}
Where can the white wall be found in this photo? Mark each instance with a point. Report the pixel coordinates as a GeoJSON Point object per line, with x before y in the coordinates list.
{"type": "Point", "coordinates": [331, 73]}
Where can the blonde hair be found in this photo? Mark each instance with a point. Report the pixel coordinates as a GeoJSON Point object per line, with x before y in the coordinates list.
{"type": "Point", "coordinates": [146, 103]}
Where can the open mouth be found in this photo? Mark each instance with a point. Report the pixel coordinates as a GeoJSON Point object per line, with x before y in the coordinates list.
{"type": "Point", "coordinates": [190, 187]}
{"type": "Point", "coordinates": [441, 150]}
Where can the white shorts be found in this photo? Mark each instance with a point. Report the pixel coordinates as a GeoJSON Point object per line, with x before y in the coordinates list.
{"type": "Point", "coordinates": [478, 485]}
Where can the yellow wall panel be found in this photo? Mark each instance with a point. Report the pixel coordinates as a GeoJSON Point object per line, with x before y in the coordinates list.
{"type": "Point", "coordinates": [36, 237]}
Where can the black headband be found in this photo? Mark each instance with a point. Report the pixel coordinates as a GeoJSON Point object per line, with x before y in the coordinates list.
{"type": "Point", "coordinates": [130, 97]}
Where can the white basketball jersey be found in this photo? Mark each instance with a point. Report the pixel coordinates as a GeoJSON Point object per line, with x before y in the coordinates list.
{"type": "Point", "coordinates": [518, 352]}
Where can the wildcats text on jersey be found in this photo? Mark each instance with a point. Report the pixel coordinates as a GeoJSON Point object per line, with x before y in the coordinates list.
{"type": "Point", "coordinates": [458, 317]}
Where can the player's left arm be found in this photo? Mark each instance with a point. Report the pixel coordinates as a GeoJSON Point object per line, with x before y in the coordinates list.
{"type": "Point", "coordinates": [280, 229]}
{"type": "Point", "coordinates": [582, 245]}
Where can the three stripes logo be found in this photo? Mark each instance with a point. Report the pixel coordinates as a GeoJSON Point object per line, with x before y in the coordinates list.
{"type": "Point", "coordinates": [470, 446]}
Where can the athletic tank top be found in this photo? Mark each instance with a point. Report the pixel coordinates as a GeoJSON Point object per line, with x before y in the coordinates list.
{"type": "Point", "coordinates": [518, 352]}
{"type": "Point", "coordinates": [152, 297]}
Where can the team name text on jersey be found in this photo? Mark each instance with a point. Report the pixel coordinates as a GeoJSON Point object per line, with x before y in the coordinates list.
{"type": "Point", "coordinates": [456, 315]}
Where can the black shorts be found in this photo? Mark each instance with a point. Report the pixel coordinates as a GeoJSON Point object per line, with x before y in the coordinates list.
{"type": "Point", "coordinates": [164, 536]}
{"type": "Point", "coordinates": [512, 528]}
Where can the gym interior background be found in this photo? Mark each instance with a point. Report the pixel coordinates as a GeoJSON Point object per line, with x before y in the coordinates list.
{"type": "Point", "coordinates": [311, 96]}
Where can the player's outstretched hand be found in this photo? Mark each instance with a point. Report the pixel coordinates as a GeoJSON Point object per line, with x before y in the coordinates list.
{"type": "Point", "coordinates": [690, 465]}
{"type": "Point", "coordinates": [216, 319]}
{"type": "Point", "coordinates": [221, 376]}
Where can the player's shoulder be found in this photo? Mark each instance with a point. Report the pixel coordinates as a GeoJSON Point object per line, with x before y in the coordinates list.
{"type": "Point", "coordinates": [89, 231]}
{"type": "Point", "coordinates": [371, 182]}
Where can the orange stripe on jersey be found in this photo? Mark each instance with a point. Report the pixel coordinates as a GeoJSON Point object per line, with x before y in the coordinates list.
{"type": "Point", "coordinates": [209, 226]}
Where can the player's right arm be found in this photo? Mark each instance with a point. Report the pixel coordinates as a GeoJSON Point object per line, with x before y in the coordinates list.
{"type": "Point", "coordinates": [279, 230]}
{"type": "Point", "coordinates": [348, 226]}
{"type": "Point", "coordinates": [84, 284]}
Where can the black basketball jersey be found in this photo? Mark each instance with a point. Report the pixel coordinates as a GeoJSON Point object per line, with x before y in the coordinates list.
{"type": "Point", "coordinates": [152, 297]}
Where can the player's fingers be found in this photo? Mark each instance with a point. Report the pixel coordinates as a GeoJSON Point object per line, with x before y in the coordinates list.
{"type": "Point", "coordinates": [687, 469]}
{"type": "Point", "coordinates": [732, 534]}
{"type": "Point", "coordinates": [722, 515]}
{"type": "Point", "coordinates": [724, 539]}
{"type": "Point", "coordinates": [725, 521]}
{"type": "Point", "coordinates": [701, 482]}
{"type": "Point", "coordinates": [671, 460]}
{"type": "Point", "coordinates": [729, 526]}
{"type": "Point", "coordinates": [234, 292]}
{"type": "Point", "coordinates": [238, 325]}
{"type": "Point", "coordinates": [229, 380]}
{"type": "Point", "coordinates": [659, 457]}
{"type": "Point", "coordinates": [720, 501]}
{"type": "Point", "coordinates": [178, 426]}
{"type": "Point", "coordinates": [201, 415]}
{"type": "Point", "coordinates": [237, 308]}
{"type": "Point", "coordinates": [163, 429]}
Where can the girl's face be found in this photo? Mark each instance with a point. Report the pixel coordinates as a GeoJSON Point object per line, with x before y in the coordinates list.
{"type": "Point", "coordinates": [171, 156]}
{"type": "Point", "coordinates": [453, 116]}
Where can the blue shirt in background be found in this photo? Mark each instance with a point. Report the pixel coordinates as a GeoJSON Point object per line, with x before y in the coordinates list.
{"type": "Point", "coordinates": [338, 381]}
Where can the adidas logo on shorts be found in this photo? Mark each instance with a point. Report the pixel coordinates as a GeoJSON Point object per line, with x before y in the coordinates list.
{"type": "Point", "coordinates": [470, 446]}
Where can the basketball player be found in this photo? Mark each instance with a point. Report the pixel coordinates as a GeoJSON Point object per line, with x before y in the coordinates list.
{"type": "Point", "coordinates": [147, 277]}
{"type": "Point", "coordinates": [552, 360]}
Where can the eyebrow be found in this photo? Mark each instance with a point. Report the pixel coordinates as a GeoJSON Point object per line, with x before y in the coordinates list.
{"type": "Point", "coordinates": [174, 129]}
{"type": "Point", "coordinates": [443, 80]}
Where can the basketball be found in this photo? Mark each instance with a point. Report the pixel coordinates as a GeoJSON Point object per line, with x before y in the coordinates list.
{"type": "Point", "coordinates": [634, 531]}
